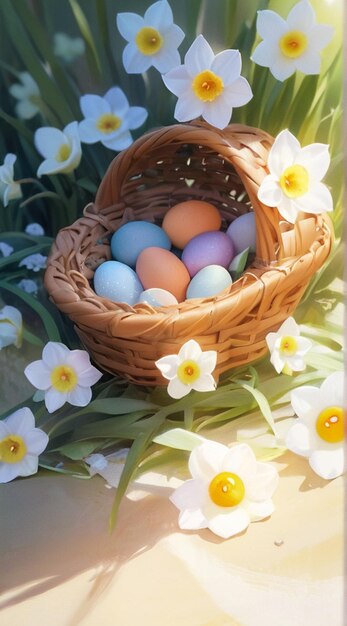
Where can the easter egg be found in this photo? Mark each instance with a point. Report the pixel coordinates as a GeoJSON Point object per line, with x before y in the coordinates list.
{"type": "Point", "coordinates": [187, 219]}
{"type": "Point", "coordinates": [117, 282]}
{"type": "Point", "coordinates": [131, 238]}
{"type": "Point", "coordinates": [157, 297]}
{"type": "Point", "coordinates": [212, 248]}
{"type": "Point", "coordinates": [160, 268]}
{"type": "Point", "coordinates": [242, 232]}
{"type": "Point", "coordinates": [208, 282]}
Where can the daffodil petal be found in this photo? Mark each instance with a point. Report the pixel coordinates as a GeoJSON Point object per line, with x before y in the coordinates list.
{"type": "Point", "coordinates": [317, 200]}
{"type": "Point", "coordinates": [227, 65]}
{"type": "Point", "coordinates": [54, 353]}
{"type": "Point", "coordinates": [205, 382]}
{"type": "Point", "coordinates": [159, 15]}
{"type": "Point", "coordinates": [309, 62]}
{"type": "Point", "coordinates": [306, 402]}
{"type": "Point", "coordinates": [129, 25]}
{"type": "Point", "coordinates": [259, 510]}
{"type": "Point", "coordinates": [26, 109]}
{"type": "Point", "coordinates": [164, 60]}
{"type": "Point", "coordinates": [287, 208]}
{"type": "Point", "coordinates": [168, 365]}
{"type": "Point", "coordinates": [296, 363]}
{"type": "Point", "coordinates": [269, 192]}
{"type": "Point", "coordinates": [217, 113]}
{"type": "Point", "coordinates": [332, 388]}
{"type": "Point", "coordinates": [190, 495]}
{"type": "Point", "coordinates": [282, 68]}
{"type": "Point", "coordinates": [265, 52]}
{"type": "Point", "coordinates": [92, 106]}
{"type": "Point", "coordinates": [38, 374]}
{"type": "Point", "coordinates": [315, 159]}
{"type": "Point", "coordinates": [269, 24]}
{"type": "Point", "coordinates": [283, 153]}
{"type": "Point", "coordinates": [199, 57]}
{"type": "Point", "coordinates": [79, 396]}
{"type": "Point", "coordinates": [240, 459]}
{"type": "Point", "coordinates": [48, 141]}
{"type": "Point", "coordinates": [20, 421]}
{"type": "Point", "coordinates": [289, 327]}
{"type": "Point", "coordinates": [304, 345]}
{"type": "Point", "coordinates": [321, 36]}
{"type": "Point", "coordinates": [173, 38]}
{"type": "Point", "coordinates": [54, 400]}
{"type": "Point", "coordinates": [178, 80]}
{"type": "Point", "coordinates": [136, 116]}
{"type": "Point", "coordinates": [49, 166]}
{"type": "Point", "coordinates": [188, 107]}
{"type": "Point", "coordinates": [28, 465]}
{"type": "Point", "coordinates": [192, 520]}
{"type": "Point", "coordinates": [328, 464]}
{"type": "Point", "coordinates": [36, 441]}
{"type": "Point", "coordinates": [277, 361]}
{"type": "Point", "coordinates": [135, 62]}
{"type": "Point", "coordinates": [176, 389]}
{"type": "Point", "coordinates": [262, 485]}
{"type": "Point", "coordinates": [89, 133]}
{"type": "Point", "coordinates": [271, 340]}
{"type": "Point", "coordinates": [117, 100]}
{"type": "Point", "coordinates": [8, 471]}
{"type": "Point", "coordinates": [228, 524]}
{"type": "Point", "coordinates": [208, 361]}
{"type": "Point", "coordinates": [298, 439]}
{"type": "Point", "coordinates": [190, 350]}
{"type": "Point", "coordinates": [206, 460]}
{"type": "Point", "coordinates": [239, 92]}
{"type": "Point", "coordinates": [301, 16]}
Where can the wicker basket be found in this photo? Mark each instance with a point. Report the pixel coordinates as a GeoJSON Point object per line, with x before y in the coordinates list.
{"type": "Point", "coordinates": [160, 169]}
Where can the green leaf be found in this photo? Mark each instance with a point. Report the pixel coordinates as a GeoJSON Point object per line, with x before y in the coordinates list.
{"type": "Point", "coordinates": [91, 51]}
{"type": "Point", "coordinates": [180, 439]}
{"type": "Point", "coordinates": [262, 403]}
{"type": "Point", "coordinates": [238, 264]}
{"type": "Point", "coordinates": [119, 406]}
{"type": "Point", "coordinates": [79, 449]}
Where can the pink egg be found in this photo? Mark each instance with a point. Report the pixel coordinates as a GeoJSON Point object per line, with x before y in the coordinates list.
{"type": "Point", "coordinates": [211, 248]}
{"type": "Point", "coordinates": [157, 267]}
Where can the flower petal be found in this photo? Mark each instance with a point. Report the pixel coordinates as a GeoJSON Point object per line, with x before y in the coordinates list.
{"type": "Point", "coordinates": [304, 345]}
{"type": "Point", "coordinates": [217, 113]}
{"type": "Point", "coordinates": [39, 374]}
{"type": "Point", "coordinates": [316, 159]}
{"type": "Point", "coordinates": [20, 422]}
{"type": "Point", "coordinates": [26, 109]}
{"type": "Point", "coordinates": [228, 524]}
{"type": "Point", "coordinates": [328, 464]}
{"type": "Point", "coordinates": [277, 361]}
{"type": "Point", "coordinates": [309, 62]}
{"type": "Point", "coordinates": [262, 485]}
{"type": "Point", "coordinates": [176, 389]}
{"type": "Point", "coordinates": [288, 209]}
{"type": "Point", "coordinates": [306, 402]}
{"type": "Point", "coordinates": [129, 24]}
{"type": "Point", "coordinates": [317, 200]}
{"type": "Point", "coordinates": [332, 388]}
{"type": "Point", "coordinates": [302, 16]}
{"type": "Point", "coordinates": [8, 471]}
{"type": "Point", "coordinates": [283, 153]}
{"type": "Point", "coordinates": [118, 142]}
{"type": "Point", "coordinates": [269, 192]}
{"type": "Point", "coordinates": [205, 382]}
{"type": "Point", "coordinates": [298, 439]}
{"type": "Point", "coordinates": [117, 100]}
{"type": "Point", "coordinates": [192, 520]}
{"type": "Point", "coordinates": [79, 396]}
{"type": "Point", "coordinates": [166, 59]}
{"type": "Point", "coordinates": [282, 67]}
{"type": "Point", "coordinates": [36, 441]}
{"type": "Point", "coordinates": [168, 365]}
{"type": "Point", "coordinates": [54, 399]}
{"type": "Point", "coordinates": [49, 166]}
{"type": "Point", "coordinates": [135, 62]}
{"type": "Point", "coordinates": [190, 350]}
{"type": "Point", "coordinates": [260, 510]}
{"type": "Point", "coordinates": [206, 460]}
{"type": "Point", "coordinates": [321, 35]}
{"type": "Point", "coordinates": [178, 80]}
{"type": "Point", "coordinates": [188, 107]}
{"type": "Point", "coordinates": [270, 23]}
{"type": "Point", "coordinates": [89, 132]}
{"type": "Point", "coordinates": [54, 353]}
{"type": "Point", "coordinates": [199, 57]}
{"type": "Point", "coordinates": [289, 327]}
{"type": "Point", "coordinates": [207, 361]}
{"type": "Point", "coordinates": [28, 465]}
{"type": "Point", "coordinates": [240, 459]}
{"type": "Point", "coordinates": [48, 141]}
{"type": "Point", "coordinates": [92, 106]}
{"type": "Point", "coordinates": [159, 15]}
{"type": "Point", "coordinates": [190, 495]}
{"type": "Point", "coordinates": [265, 53]}
{"type": "Point", "coordinates": [238, 93]}
{"type": "Point", "coordinates": [227, 65]}
{"type": "Point", "coordinates": [136, 116]}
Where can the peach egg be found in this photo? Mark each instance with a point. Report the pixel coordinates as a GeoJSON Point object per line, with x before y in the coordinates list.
{"type": "Point", "coordinates": [157, 267]}
{"type": "Point", "coordinates": [190, 218]}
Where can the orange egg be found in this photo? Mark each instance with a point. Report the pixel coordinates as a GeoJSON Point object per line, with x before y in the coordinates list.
{"type": "Point", "coordinates": [157, 267]}
{"type": "Point", "coordinates": [187, 219]}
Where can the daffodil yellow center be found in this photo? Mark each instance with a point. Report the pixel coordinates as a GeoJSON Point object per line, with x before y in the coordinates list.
{"type": "Point", "coordinates": [294, 181]}
{"type": "Point", "coordinates": [293, 44]}
{"type": "Point", "coordinates": [226, 489]}
{"type": "Point", "coordinates": [12, 449]}
{"type": "Point", "coordinates": [63, 153]}
{"type": "Point", "coordinates": [108, 123]}
{"type": "Point", "coordinates": [63, 378]}
{"type": "Point", "coordinates": [207, 86]}
{"type": "Point", "coordinates": [188, 372]}
{"type": "Point", "coordinates": [330, 424]}
{"type": "Point", "coordinates": [288, 345]}
{"type": "Point", "coordinates": [149, 40]}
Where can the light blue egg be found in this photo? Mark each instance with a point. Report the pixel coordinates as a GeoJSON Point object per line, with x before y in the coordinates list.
{"type": "Point", "coordinates": [117, 282]}
{"type": "Point", "coordinates": [210, 281]}
{"type": "Point", "coordinates": [242, 233]}
{"type": "Point", "coordinates": [131, 238]}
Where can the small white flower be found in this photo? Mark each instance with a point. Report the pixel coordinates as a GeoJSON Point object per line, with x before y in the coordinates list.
{"type": "Point", "coordinates": [208, 85]}
{"type": "Point", "coordinates": [228, 490]}
{"type": "Point", "coordinates": [65, 376]}
{"type": "Point", "coordinates": [318, 433]}
{"type": "Point", "coordinates": [60, 149]}
{"type": "Point", "coordinates": [292, 44]}
{"type": "Point", "coordinates": [28, 95]}
{"type": "Point", "coordinates": [294, 183]}
{"type": "Point", "coordinates": [5, 249]}
{"type": "Point", "coordinates": [34, 229]}
{"type": "Point", "coordinates": [153, 39]}
{"type": "Point", "coordinates": [20, 445]}
{"type": "Point", "coordinates": [189, 369]}
{"type": "Point", "coordinates": [9, 189]}
{"type": "Point", "coordinates": [28, 285]}
{"type": "Point", "coordinates": [109, 119]}
{"type": "Point", "coordinates": [68, 48]}
{"type": "Point", "coordinates": [34, 262]}
{"type": "Point", "coordinates": [287, 348]}
{"type": "Point", "coordinates": [110, 467]}
{"type": "Point", "coordinates": [11, 327]}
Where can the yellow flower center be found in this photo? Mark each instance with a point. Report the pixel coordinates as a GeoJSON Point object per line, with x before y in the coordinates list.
{"type": "Point", "coordinates": [294, 181]}
{"type": "Point", "coordinates": [330, 424]}
{"type": "Point", "coordinates": [12, 449]}
{"type": "Point", "coordinates": [207, 86]}
{"type": "Point", "coordinates": [188, 372]}
{"type": "Point", "coordinates": [293, 44]}
{"type": "Point", "coordinates": [63, 153]}
{"type": "Point", "coordinates": [108, 123]}
{"type": "Point", "coordinates": [288, 345]}
{"type": "Point", "coordinates": [63, 378]}
{"type": "Point", "coordinates": [226, 489]}
{"type": "Point", "coordinates": [149, 40]}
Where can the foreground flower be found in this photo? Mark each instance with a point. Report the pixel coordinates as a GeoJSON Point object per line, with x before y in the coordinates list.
{"type": "Point", "coordinates": [153, 39]}
{"type": "Point", "coordinates": [109, 119]}
{"type": "Point", "coordinates": [34, 262]}
{"type": "Point", "coordinates": [34, 229]}
{"type": "Point", "coordinates": [291, 45]}
{"type": "Point", "coordinates": [189, 369]}
{"type": "Point", "coordinates": [28, 285]}
{"type": "Point", "coordinates": [60, 149]}
{"type": "Point", "coordinates": [287, 348]}
{"type": "Point", "coordinates": [228, 490]}
{"type": "Point", "coordinates": [208, 85]}
{"type": "Point", "coordinates": [318, 433]}
{"type": "Point", "coordinates": [68, 48]}
{"type": "Point", "coordinates": [28, 95]}
{"type": "Point", "coordinates": [293, 184]}
{"type": "Point", "coordinates": [11, 327]}
{"type": "Point", "coordinates": [110, 467]}
{"type": "Point", "coordinates": [20, 445]}
{"type": "Point", "coordinates": [5, 249]}
{"type": "Point", "coordinates": [9, 189]}
{"type": "Point", "coordinates": [65, 376]}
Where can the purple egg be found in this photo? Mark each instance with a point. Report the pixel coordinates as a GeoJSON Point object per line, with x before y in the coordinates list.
{"type": "Point", "coordinates": [211, 248]}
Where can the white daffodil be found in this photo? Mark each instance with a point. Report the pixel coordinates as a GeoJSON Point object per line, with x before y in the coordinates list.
{"type": "Point", "coordinates": [109, 119]}
{"type": "Point", "coordinates": [228, 490]}
{"type": "Point", "coordinates": [5, 249]}
{"type": "Point", "coordinates": [152, 39]}
{"type": "Point", "coordinates": [68, 48]}
{"type": "Point", "coordinates": [189, 369]}
{"type": "Point", "coordinates": [65, 376]}
{"type": "Point", "coordinates": [110, 467]}
{"type": "Point", "coordinates": [34, 262]}
{"type": "Point", "coordinates": [34, 229]}
{"type": "Point", "coordinates": [11, 327]}
{"type": "Point", "coordinates": [294, 183]}
{"type": "Point", "coordinates": [318, 433]}
{"type": "Point", "coordinates": [287, 348]}
{"type": "Point", "coordinates": [20, 445]}
{"type": "Point", "coordinates": [61, 149]}
{"type": "Point", "coordinates": [28, 285]}
{"type": "Point", "coordinates": [208, 85]}
{"type": "Point", "coordinates": [28, 95]}
{"type": "Point", "coordinates": [9, 189]}
{"type": "Point", "coordinates": [292, 44]}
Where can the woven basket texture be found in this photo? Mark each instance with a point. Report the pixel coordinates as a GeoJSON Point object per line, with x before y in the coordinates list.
{"type": "Point", "coordinates": [160, 169]}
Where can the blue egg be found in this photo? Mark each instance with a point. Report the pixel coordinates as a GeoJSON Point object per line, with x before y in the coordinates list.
{"type": "Point", "coordinates": [117, 282]}
{"type": "Point", "coordinates": [208, 282]}
{"type": "Point", "coordinates": [242, 233]}
{"type": "Point", "coordinates": [131, 238]}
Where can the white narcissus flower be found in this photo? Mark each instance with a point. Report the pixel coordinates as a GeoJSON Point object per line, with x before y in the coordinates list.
{"type": "Point", "coordinates": [294, 183]}
{"type": "Point", "coordinates": [189, 369]}
{"type": "Point", "coordinates": [65, 376]}
{"type": "Point", "coordinates": [9, 189]}
{"type": "Point", "coordinates": [152, 40]}
{"type": "Point", "coordinates": [28, 285]}
{"type": "Point", "coordinates": [34, 262]}
{"type": "Point", "coordinates": [208, 85]}
{"type": "Point", "coordinates": [287, 348]}
{"type": "Point", "coordinates": [34, 229]}
{"type": "Point", "coordinates": [20, 445]}
{"type": "Point", "coordinates": [228, 490]}
{"type": "Point", "coordinates": [68, 48]}
{"type": "Point", "coordinates": [61, 149]}
{"type": "Point", "coordinates": [110, 467]}
{"type": "Point", "coordinates": [11, 327]}
{"type": "Point", "coordinates": [292, 44]}
{"type": "Point", "coordinates": [5, 249]}
{"type": "Point", "coordinates": [28, 95]}
{"type": "Point", "coordinates": [318, 433]}
{"type": "Point", "coordinates": [109, 119]}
